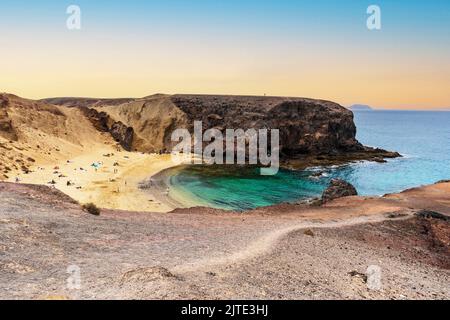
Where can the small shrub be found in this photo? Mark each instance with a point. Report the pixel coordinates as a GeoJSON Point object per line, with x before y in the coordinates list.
{"type": "Point", "coordinates": [92, 209]}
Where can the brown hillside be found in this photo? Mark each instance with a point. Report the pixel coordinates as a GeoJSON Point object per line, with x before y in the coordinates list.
{"type": "Point", "coordinates": [33, 131]}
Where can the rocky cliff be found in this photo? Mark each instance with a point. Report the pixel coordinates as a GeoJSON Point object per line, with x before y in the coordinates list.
{"type": "Point", "coordinates": [306, 126]}
{"type": "Point", "coordinates": [312, 132]}
{"type": "Point", "coordinates": [121, 133]}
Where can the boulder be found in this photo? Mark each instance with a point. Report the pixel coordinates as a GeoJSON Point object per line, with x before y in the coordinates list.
{"type": "Point", "coordinates": [338, 189]}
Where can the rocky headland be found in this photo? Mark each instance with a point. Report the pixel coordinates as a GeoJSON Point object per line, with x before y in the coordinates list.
{"type": "Point", "coordinates": [312, 132]}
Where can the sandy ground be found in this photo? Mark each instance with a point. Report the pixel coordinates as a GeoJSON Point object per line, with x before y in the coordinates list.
{"type": "Point", "coordinates": [281, 252]}
{"type": "Point", "coordinates": [114, 185]}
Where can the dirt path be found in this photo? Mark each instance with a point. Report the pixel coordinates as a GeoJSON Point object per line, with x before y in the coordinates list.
{"type": "Point", "coordinates": [267, 242]}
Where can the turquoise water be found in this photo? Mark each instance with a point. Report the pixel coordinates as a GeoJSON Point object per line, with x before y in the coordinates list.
{"type": "Point", "coordinates": [423, 138]}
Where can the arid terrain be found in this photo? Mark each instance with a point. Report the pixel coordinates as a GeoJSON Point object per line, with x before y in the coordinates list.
{"type": "Point", "coordinates": [56, 155]}
{"type": "Point", "coordinates": [282, 252]}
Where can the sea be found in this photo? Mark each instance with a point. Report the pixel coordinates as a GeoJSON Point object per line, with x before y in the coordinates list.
{"type": "Point", "coordinates": [421, 137]}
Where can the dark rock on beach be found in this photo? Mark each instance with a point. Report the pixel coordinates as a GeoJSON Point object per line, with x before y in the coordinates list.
{"type": "Point", "coordinates": [338, 189]}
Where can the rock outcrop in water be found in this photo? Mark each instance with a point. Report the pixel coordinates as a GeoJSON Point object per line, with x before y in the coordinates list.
{"type": "Point", "coordinates": [338, 189]}
{"type": "Point", "coordinates": [311, 131]}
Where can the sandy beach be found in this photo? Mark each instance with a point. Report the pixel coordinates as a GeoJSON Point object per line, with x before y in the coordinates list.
{"type": "Point", "coordinates": [113, 185]}
{"type": "Point", "coordinates": [167, 192]}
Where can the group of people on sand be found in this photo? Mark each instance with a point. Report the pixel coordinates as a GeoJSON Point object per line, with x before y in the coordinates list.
{"type": "Point", "coordinates": [59, 179]}
{"type": "Point", "coordinates": [95, 165]}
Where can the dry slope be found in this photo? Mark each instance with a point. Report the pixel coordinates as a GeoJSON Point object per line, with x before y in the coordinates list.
{"type": "Point", "coordinates": [33, 131]}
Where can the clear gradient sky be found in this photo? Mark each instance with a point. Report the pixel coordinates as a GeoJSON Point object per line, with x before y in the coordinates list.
{"type": "Point", "coordinates": [319, 49]}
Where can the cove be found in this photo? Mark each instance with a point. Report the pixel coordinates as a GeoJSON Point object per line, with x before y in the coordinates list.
{"type": "Point", "coordinates": [423, 138]}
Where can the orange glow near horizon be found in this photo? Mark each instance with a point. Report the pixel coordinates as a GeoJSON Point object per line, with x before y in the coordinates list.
{"type": "Point", "coordinates": [394, 68]}
{"type": "Point", "coordinates": [346, 85]}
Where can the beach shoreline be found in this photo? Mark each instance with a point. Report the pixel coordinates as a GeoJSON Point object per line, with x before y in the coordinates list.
{"type": "Point", "coordinates": [169, 193]}
{"type": "Point", "coordinates": [107, 177]}
{"type": "Point", "coordinates": [160, 187]}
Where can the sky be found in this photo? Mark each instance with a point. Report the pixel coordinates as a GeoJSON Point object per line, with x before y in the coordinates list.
{"type": "Point", "coordinates": [317, 49]}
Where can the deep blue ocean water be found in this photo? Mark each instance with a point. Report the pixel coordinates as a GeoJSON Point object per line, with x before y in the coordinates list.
{"type": "Point", "coordinates": [423, 138]}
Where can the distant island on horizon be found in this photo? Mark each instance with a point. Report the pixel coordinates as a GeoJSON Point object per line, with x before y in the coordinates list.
{"type": "Point", "coordinates": [360, 107]}
{"type": "Point", "coordinates": [364, 107]}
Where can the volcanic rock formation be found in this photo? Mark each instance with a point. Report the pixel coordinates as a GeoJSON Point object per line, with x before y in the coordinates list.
{"type": "Point", "coordinates": [338, 189]}
{"type": "Point", "coordinates": [312, 132]}
{"type": "Point", "coordinates": [308, 128]}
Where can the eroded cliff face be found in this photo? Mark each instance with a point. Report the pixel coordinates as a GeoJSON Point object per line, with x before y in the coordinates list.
{"type": "Point", "coordinates": [152, 119]}
{"type": "Point", "coordinates": [121, 133]}
{"type": "Point", "coordinates": [307, 127]}
{"type": "Point", "coordinates": [7, 130]}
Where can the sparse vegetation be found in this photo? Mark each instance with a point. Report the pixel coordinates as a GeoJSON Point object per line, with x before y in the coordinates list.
{"type": "Point", "coordinates": [91, 208]}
